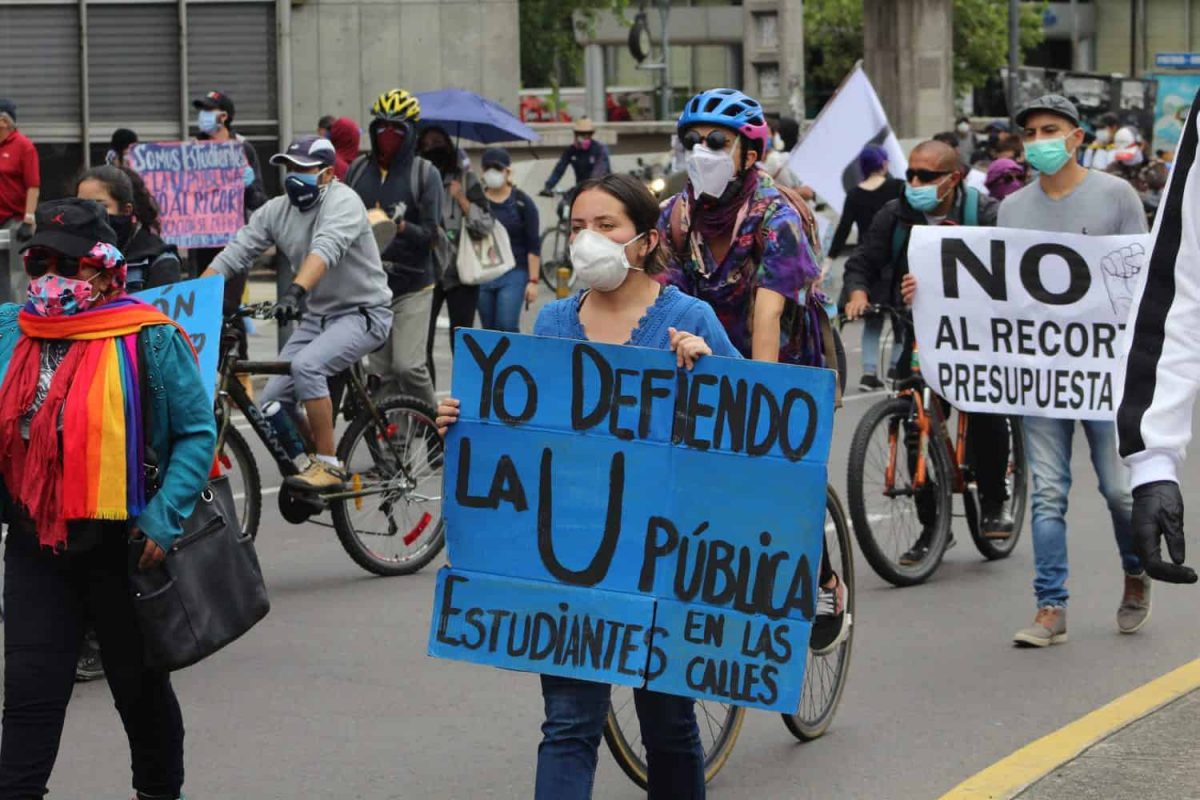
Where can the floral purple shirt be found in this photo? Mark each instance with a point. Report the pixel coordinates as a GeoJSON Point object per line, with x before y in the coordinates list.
{"type": "Point", "coordinates": [768, 252]}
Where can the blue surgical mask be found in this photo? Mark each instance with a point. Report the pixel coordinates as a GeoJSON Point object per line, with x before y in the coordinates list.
{"type": "Point", "coordinates": [207, 122]}
{"type": "Point", "coordinates": [302, 189]}
{"type": "Point", "coordinates": [1047, 156]}
{"type": "Point", "coordinates": [922, 198]}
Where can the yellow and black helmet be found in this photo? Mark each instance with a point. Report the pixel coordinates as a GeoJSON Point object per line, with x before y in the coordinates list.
{"type": "Point", "coordinates": [397, 105]}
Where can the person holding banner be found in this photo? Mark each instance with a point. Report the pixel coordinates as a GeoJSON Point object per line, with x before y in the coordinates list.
{"type": "Point", "coordinates": [76, 360]}
{"type": "Point", "coordinates": [1070, 198]}
{"type": "Point", "coordinates": [1154, 420]}
{"type": "Point", "coordinates": [618, 252]}
{"type": "Point", "coordinates": [321, 226]}
{"type": "Point", "coordinates": [933, 196]}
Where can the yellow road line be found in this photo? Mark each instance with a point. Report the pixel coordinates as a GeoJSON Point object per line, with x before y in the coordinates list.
{"type": "Point", "coordinates": [1010, 775]}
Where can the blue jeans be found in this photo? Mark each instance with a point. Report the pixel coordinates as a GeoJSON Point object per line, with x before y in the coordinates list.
{"type": "Point", "coordinates": [1048, 451]}
{"type": "Point", "coordinates": [500, 301]}
{"type": "Point", "coordinates": [575, 714]}
{"type": "Point", "coordinates": [871, 336]}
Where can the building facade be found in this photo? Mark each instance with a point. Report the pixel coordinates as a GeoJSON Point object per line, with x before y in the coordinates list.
{"type": "Point", "coordinates": [78, 69]}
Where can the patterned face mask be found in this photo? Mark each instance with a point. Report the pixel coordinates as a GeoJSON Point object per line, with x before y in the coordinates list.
{"type": "Point", "coordinates": [56, 296]}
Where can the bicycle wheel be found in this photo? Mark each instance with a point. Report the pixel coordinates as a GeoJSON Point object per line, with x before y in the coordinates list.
{"type": "Point", "coordinates": [396, 526]}
{"type": "Point", "coordinates": [825, 676]}
{"type": "Point", "coordinates": [238, 464]}
{"type": "Point", "coordinates": [885, 517]}
{"type": "Point", "coordinates": [719, 723]}
{"type": "Point", "coordinates": [1018, 491]}
{"type": "Point", "coordinates": [555, 254]}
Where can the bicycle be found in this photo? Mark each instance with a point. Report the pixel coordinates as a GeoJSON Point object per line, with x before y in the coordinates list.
{"type": "Point", "coordinates": [556, 244]}
{"type": "Point", "coordinates": [902, 447]}
{"type": "Point", "coordinates": [721, 723]}
{"type": "Point", "coordinates": [391, 450]}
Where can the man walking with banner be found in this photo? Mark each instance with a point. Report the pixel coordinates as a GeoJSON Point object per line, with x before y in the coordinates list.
{"type": "Point", "coordinates": [933, 196]}
{"type": "Point", "coordinates": [1154, 420]}
{"type": "Point", "coordinates": [1069, 198]}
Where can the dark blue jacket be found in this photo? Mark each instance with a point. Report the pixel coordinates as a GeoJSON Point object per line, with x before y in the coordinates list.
{"type": "Point", "coordinates": [590, 163]}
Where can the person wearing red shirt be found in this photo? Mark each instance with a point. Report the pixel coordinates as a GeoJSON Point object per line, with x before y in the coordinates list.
{"type": "Point", "coordinates": [20, 174]}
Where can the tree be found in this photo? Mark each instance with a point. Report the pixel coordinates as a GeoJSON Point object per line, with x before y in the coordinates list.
{"type": "Point", "coordinates": [550, 55]}
{"type": "Point", "coordinates": [833, 31]}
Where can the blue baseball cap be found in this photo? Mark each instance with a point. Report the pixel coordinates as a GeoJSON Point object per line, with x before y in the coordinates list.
{"type": "Point", "coordinates": [496, 157]}
{"type": "Point", "coordinates": [307, 151]}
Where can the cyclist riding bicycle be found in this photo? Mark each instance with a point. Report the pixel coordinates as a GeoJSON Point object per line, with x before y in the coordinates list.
{"type": "Point", "coordinates": [587, 157]}
{"type": "Point", "coordinates": [321, 226]}
{"type": "Point", "coordinates": [735, 241]}
{"type": "Point", "coordinates": [933, 196]}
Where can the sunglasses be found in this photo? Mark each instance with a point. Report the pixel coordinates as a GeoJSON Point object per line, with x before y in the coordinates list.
{"type": "Point", "coordinates": [715, 141]}
{"type": "Point", "coordinates": [924, 175]}
{"type": "Point", "coordinates": [39, 261]}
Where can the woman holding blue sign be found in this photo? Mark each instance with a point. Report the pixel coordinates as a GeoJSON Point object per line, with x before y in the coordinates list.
{"type": "Point", "coordinates": [617, 251]}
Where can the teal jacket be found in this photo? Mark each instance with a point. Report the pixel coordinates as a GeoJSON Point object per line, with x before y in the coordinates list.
{"type": "Point", "coordinates": [184, 433]}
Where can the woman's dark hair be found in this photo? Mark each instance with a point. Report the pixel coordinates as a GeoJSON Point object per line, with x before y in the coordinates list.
{"type": "Point", "coordinates": [789, 131]}
{"type": "Point", "coordinates": [1008, 143]}
{"type": "Point", "coordinates": [640, 206]}
{"type": "Point", "coordinates": [127, 188]}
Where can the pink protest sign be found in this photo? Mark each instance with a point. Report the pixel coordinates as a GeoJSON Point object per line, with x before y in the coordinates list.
{"type": "Point", "coordinates": [198, 187]}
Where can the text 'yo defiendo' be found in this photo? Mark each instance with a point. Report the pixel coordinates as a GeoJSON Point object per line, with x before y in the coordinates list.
{"type": "Point", "coordinates": [613, 518]}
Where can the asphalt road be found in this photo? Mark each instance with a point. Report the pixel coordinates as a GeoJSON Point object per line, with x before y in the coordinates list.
{"type": "Point", "coordinates": [332, 696]}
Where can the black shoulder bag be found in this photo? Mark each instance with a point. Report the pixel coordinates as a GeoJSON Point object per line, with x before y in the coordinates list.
{"type": "Point", "coordinates": [209, 590]}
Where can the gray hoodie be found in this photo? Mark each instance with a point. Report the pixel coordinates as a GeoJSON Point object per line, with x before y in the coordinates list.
{"type": "Point", "coordinates": [336, 229]}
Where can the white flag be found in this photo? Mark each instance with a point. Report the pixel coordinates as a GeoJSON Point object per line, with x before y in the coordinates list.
{"type": "Point", "coordinates": [827, 159]}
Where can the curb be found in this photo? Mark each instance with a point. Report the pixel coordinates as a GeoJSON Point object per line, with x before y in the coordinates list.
{"type": "Point", "coordinates": [1013, 774]}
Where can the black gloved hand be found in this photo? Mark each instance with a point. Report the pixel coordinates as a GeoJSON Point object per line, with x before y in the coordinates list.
{"type": "Point", "coordinates": [547, 192]}
{"type": "Point", "coordinates": [288, 307]}
{"type": "Point", "coordinates": [24, 232]}
{"type": "Point", "coordinates": [1158, 511]}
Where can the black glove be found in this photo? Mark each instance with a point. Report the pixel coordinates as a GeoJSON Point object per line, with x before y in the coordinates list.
{"type": "Point", "coordinates": [1158, 510]}
{"type": "Point", "coordinates": [547, 192]}
{"type": "Point", "coordinates": [24, 232]}
{"type": "Point", "coordinates": [288, 307]}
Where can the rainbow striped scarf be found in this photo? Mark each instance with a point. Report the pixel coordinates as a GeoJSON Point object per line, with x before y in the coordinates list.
{"type": "Point", "coordinates": [99, 473]}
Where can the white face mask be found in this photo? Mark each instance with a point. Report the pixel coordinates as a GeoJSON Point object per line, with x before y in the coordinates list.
{"type": "Point", "coordinates": [494, 178]}
{"type": "Point", "coordinates": [709, 172]}
{"type": "Point", "coordinates": [1104, 136]}
{"type": "Point", "coordinates": [963, 128]}
{"type": "Point", "coordinates": [777, 142]}
{"type": "Point", "coordinates": [600, 262]}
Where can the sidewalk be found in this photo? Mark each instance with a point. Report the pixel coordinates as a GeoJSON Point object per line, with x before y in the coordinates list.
{"type": "Point", "coordinates": [1152, 758]}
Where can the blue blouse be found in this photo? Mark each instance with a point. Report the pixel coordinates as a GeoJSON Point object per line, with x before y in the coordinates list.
{"type": "Point", "coordinates": [672, 309]}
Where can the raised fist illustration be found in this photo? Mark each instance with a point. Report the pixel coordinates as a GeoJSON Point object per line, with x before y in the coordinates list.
{"type": "Point", "coordinates": [1121, 270]}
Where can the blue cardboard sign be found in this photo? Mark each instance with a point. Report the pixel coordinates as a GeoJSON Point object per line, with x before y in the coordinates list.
{"type": "Point", "coordinates": [196, 306]}
{"type": "Point", "coordinates": [614, 518]}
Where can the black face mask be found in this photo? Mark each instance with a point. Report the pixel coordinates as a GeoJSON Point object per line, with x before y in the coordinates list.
{"type": "Point", "coordinates": [442, 157]}
{"type": "Point", "coordinates": [122, 224]}
{"type": "Point", "coordinates": [300, 192]}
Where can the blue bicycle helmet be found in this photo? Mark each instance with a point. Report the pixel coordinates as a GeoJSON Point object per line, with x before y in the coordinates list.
{"type": "Point", "coordinates": [728, 108]}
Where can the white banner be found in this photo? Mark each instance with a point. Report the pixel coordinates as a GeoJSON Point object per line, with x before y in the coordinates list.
{"type": "Point", "coordinates": [1024, 322]}
{"type": "Point", "coordinates": [827, 158]}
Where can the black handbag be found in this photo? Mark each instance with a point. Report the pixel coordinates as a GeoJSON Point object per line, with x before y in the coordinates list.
{"type": "Point", "coordinates": [209, 590]}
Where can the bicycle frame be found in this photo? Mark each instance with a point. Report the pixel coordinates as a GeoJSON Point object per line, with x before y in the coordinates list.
{"type": "Point", "coordinates": [929, 422]}
{"type": "Point", "coordinates": [230, 390]}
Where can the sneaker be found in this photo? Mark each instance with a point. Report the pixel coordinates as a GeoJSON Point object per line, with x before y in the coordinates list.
{"type": "Point", "coordinates": [318, 477]}
{"type": "Point", "coordinates": [831, 624]}
{"type": "Point", "coordinates": [1049, 627]}
{"type": "Point", "coordinates": [870, 383]}
{"type": "Point", "coordinates": [1135, 604]}
{"type": "Point", "coordinates": [89, 666]}
{"type": "Point", "coordinates": [998, 525]}
{"type": "Point", "coordinates": [920, 549]}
